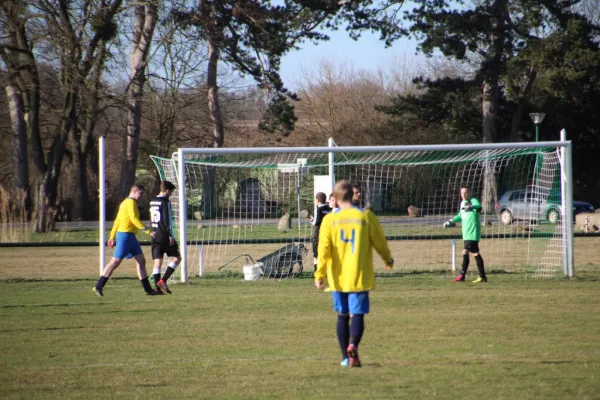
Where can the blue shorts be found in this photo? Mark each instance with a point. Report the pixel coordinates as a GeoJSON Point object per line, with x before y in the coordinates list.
{"type": "Point", "coordinates": [351, 303]}
{"type": "Point", "coordinates": [127, 246]}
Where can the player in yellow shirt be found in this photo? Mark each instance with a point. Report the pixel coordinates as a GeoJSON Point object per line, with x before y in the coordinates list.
{"type": "Point", "coordinates": [123, 233]}
{"type": "Point", "coordinates": [347, 238]}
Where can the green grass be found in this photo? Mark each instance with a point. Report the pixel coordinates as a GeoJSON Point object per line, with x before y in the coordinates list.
{"type": "Point", "coordinates": [72, 235]}
{"type": "Point", "coordinates": [426, 337]}
{"type": "Point", "coordinates": [270, 231]}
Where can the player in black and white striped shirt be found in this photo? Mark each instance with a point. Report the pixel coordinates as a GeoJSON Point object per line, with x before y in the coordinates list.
{"type": "Point", "coordinates": [163, 241]}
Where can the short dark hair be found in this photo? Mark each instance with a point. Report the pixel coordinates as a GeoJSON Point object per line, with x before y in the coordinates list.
{"type": "Point", "coordinates": [321, 197]}
{"type": "Point", "coordinates": [355, 186]}
{"type": "Point", "coordinates": [166, 185]}
{"type": "Point", "coordinates": [138, 186]}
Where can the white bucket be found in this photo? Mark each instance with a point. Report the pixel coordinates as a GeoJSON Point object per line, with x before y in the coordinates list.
{"type": "Point", "coordinates": [252, 272]}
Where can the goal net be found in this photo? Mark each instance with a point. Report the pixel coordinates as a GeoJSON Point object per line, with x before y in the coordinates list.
{"type": "Point", "coordinates": [248, 211]}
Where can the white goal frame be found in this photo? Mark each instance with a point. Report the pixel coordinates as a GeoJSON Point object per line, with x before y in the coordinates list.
{"type": "Point", "coordinates": [565, 159]}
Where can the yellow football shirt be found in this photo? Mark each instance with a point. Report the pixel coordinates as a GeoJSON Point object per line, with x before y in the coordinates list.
{"type": "Point", "coordinates": [346, 243]}
{"type": "Point", "coordinates": [128, 219]}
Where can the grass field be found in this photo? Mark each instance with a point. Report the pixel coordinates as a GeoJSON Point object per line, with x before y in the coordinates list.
{"type": "Point", "coordinates": [267, 230]}
{"type": "Point", "coordinates": [506, 255]}
{"type": "Point", "coordinates": [427, 337]}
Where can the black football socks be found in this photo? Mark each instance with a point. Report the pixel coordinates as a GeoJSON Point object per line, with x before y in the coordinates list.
{"type": "Point", "coordinates": [168, 273]}
{"type": "Point", "coordinates": [357, 328]}
{"type": "Point", "coordinates": [146, 285]}
{"type": "Point", "coordinates": [465, 264]}
{"type": "Point", "coordinates": [480, 266]}
{"type": "Point", "coordinates": [343, 333]}
{"type": "Point", "coordinates": [101, 282]}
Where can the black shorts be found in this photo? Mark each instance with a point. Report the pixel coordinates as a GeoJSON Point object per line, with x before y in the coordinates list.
{"type": "Point", "coordinates": [160, 249]}
{"type": "Point", "coordinates": [471, 246]}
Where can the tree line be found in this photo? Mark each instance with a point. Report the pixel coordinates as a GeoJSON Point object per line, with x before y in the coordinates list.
{"type": "Point", "coordinates": [154, 75]}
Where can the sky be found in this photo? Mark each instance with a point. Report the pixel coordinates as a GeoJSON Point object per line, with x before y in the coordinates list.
{"type": "Point", "coordinates": [368, 53]}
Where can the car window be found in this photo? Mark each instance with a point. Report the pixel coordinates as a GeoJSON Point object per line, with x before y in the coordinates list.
{"type": "Point", "coordinates": [517, 196]}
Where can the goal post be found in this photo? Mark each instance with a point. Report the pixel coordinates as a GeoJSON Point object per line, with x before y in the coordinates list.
{"type": "Point", "coordinates": [181, 186]}
{"type": "Point", "coordinates": [566, 182]}
{"type": "Point", "coordinates": [235, 206]}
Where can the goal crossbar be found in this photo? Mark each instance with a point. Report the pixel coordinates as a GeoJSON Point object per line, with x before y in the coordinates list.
{"type": "Point", "coordinates": [375, 149]}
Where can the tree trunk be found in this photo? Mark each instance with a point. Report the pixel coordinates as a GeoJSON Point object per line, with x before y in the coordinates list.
{"type": "Point", "coordinates": [489, 108]}
{"type": "Point", "coordinates": [492, 67]}
{"type": "Point", "coordinates": [132, 140]}
{"type": "Point", "coordinates": [19, 145]}
{"type": "Point", "coordinates": [209, 203]}
{"type": "Point", "coordinates": [81, 55]}
{"type": "Point", "coordinates": [22, 92]}
{"type": "Point", "coordinates": [32, 108]}
{"type": "Point", "coordinates": [143, 30]}
{"type": "Point", "coordinates": [82, 145]}
{"type": "Point", "coordinates": [47, 191]}
{"type": "Point", "coordinates": [518, 113]}
{"type": "Point", "coordinates": [81, 198]}
{"type": "Point", "coordinates": [88, 142]}
{"type": "Point", "coordinates": [213, 93]}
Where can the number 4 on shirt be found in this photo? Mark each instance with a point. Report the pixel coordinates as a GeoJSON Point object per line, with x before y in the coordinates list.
{"type": "Point", "coordinates": [349, 240]}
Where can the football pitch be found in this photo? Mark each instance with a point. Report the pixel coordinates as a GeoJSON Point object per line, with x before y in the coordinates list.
{"type": "Point", "coordinates": [426, 337]}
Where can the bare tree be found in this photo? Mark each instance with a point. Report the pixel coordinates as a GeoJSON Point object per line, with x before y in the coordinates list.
{"type": "Point", "coordinates": [80, 32]}
{"type": "Point", "coordinates": [174, 71]}
{"type": "Point", "coordinates": [338, 101]}
{"type": "Point", "coordinates": [23, 92]}
{"type": "Point", "coordinates": [146, 13]}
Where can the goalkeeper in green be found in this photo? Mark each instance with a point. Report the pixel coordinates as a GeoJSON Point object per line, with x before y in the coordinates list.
{"type": "Point", "coordinates": [470, 210]}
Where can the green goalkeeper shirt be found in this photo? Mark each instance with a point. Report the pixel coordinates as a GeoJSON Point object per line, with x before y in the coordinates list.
{"type": "Point", "coordinates": [471, 225]}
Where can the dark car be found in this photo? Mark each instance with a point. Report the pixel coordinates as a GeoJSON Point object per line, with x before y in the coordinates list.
{"type": "Point", "coordinates": [529, 205]}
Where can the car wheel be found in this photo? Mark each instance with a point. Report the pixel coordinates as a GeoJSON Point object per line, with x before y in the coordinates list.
{"type": "Point", "coordinates": [553, 216]}
{"type": "Point", "coordinates": [506, 217]}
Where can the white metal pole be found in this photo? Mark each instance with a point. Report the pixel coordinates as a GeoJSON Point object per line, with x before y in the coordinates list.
{"type": "Point", "coordinates": [182, 214]}
{"type": "Point", "coordinates": [298, 196]}
{"type": "Point", "coordinates": [568, 220]}
{"type": "Point", "coordinates": [453, 241]}
{"type": "Point", "coordinates": [201, 260]}
{"type": "Point", "coordinates": [331, 166]}
{"type": "Point", "coordinates": [563, 203]}
{"type": "Point", "coordinates": [102, 201]}
{"type": "Point", "coordinates": [371, 149]}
